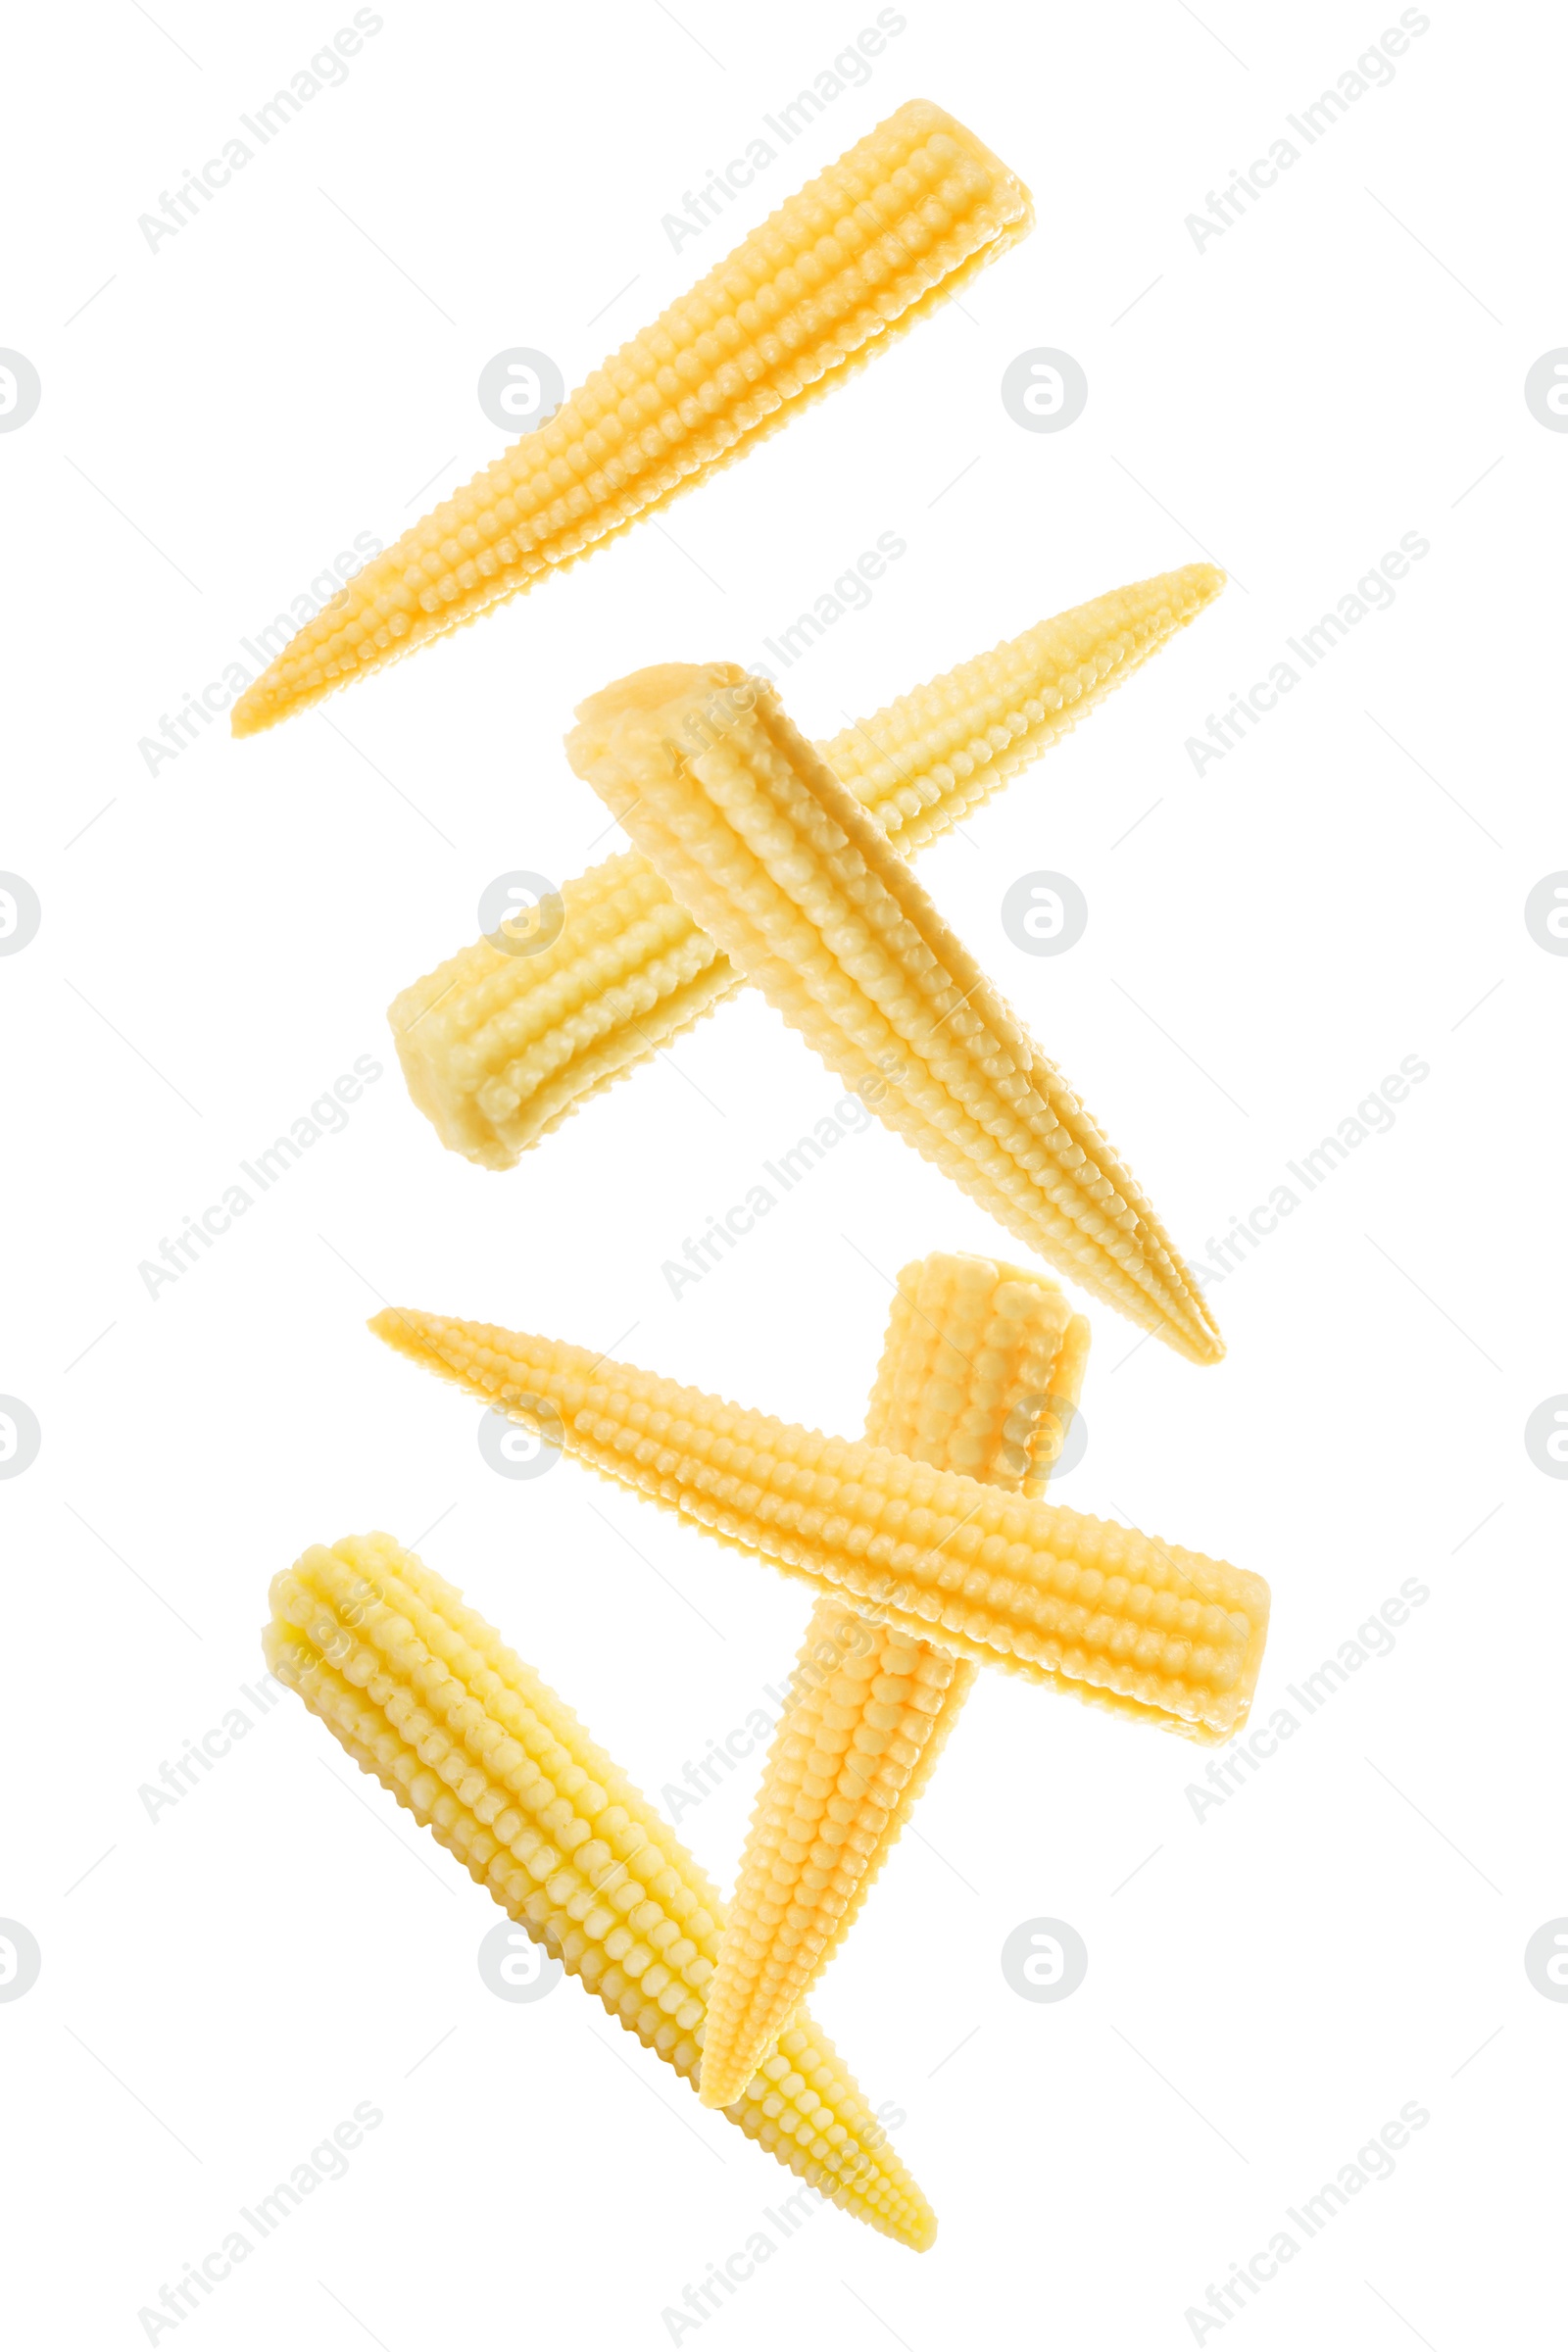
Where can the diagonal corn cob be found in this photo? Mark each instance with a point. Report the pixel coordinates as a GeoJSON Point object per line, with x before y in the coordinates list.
{"type": "Point", "coordinates": [497, 1050]}
{"type": "Point", "coordinates": [901, 220]}
{"type": "Point", "coordinates": [1111, 1616]}
{"type": "Point", "coordinates": [424, 1695]}
{"type": "Point", "coordinates": [980, 1370]}
{"type": "Point", "coordinates": [761, 843]}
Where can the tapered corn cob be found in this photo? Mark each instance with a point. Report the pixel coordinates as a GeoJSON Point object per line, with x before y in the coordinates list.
{"type": "Point", "coordinates": [980, 1371]}
{"type": "Point", "coordinates": [768, 850]}
{"type": "Point", "coordinates": [1111, 1616]}
{"type": "Point", "coordinates": [424, 1695]}
{"type": "Point", "coordinates": [498, 1049]}
{"type": "Point", "coordinates": [874, 243]}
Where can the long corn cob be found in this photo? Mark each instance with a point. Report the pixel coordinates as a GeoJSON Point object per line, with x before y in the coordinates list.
{"type": "Point", "coordinates": [496, 1048]}
{"type": "Point", "coordinates": [782, 866]}
{"type": "Point", "coordinates": [424, 1695]}
{"type": "Point", "coordinates": [901, 220]}
{"type": "Point", "coordinates": [1117, 1617]}
{"type": "Point", "coordinates": [980, 1371]}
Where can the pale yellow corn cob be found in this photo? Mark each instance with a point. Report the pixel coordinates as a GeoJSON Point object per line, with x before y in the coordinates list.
{"type": "Point", "coordinates": [496, 1048]}
{"type": "Point", "coordinates": [1111, 1616]}
{"type": "Point", "coordinates": [764, 847]}
{"type": "Point", "coordinates": [423, 1693]}
{"type": "Point", "coordinates": [901, 220]}
{"type": "Point", "coordinates": [980, 1372]}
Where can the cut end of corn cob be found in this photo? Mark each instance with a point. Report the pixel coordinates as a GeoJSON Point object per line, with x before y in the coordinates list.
{"type": "Point", "coordinates": [980, 1372]}
{"type": "Point", "coordinates": [901, 220]}
{"type": "Point", "coordinates": [425, 1695]}
{"type": "Point", "coordinates": [497, 1050]}
{"type": "Point", "coordinates": [1120, 1619]}
{"type": "Point", "coordinates": [801, 888]}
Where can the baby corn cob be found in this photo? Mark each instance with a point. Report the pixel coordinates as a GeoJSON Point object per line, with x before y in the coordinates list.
{"type": "Point", "coordinates": [496, 1048]}
{"type": "Point", "coordinates": [874, 243]}
{"type": "Point", "coordinates": [980, 1370]}
{"type": "Point", "coordinates": [1111, 1616]}
{"type": "Point", "coordinates": [424, 1695]}
{"type": "Point", "coordinates": [764, 847]}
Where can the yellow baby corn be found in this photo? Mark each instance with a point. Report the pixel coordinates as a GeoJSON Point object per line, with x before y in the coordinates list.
{"type": "Point", "coordinates": [874, 243]}
{"type": "Point", "coordinates": [1111, 1616]}
{"type": "Point", "coordinates": [980, 1371]}
{"type": "Point", "coordinates": [498, 1048]}
{"type": "Point", "coordinates": [765, 848]}
{"type": "Point", "coordinates": [424, 1695]}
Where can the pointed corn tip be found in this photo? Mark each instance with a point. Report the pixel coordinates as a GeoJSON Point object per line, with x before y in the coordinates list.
{"type": "Point", "coordinates": [1214, 1351]}
{"type": "Point", "coordinates": [406, 1327]}
{"type": "Point", "coordinates": [407, 1331]}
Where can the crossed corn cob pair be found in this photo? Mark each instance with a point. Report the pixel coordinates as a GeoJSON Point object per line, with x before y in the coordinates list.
{"type": "Point", "coordinates": [926, 1526]}
{"type": "Point", "coordinates": [952, 1569]}
{"type": "Point", "coordinates": [931, 1523]}
{"type": "Point", "coordinates": [766, 858]}
{"type": "Point", "coordinates": [498, 1047]}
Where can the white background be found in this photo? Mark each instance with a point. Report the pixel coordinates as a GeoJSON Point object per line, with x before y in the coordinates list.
{"type": "Point", "coordinates": [1343, 1936]}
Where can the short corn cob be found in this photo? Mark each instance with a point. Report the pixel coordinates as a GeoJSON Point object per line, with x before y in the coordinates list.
{"type": "Point", "coordinates": [496, 1048]}
{"type": "Point", "coordinates": [901, 220]}
{"type": "Point", "coordinates": [980, 1372]}
{"type": "Point", "coordinates": [424, 1695]}
{"type": "Point", "coordinates": [765, 848]}
{"type": "Point", "coordinates": [1111, 1616]}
